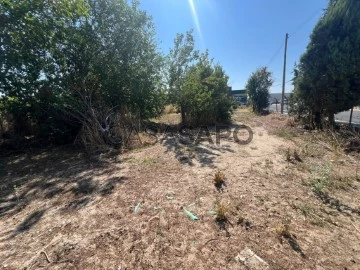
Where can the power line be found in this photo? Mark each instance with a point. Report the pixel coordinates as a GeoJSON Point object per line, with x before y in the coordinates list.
{"type": "Point", "coordinates": [292, 34]}
{"type": "Point", "coordinates": [281, 83]}
{"type": "Point", "coordinates": [275, 54]}
{"type": "Point", "coordinates": [305, 22]}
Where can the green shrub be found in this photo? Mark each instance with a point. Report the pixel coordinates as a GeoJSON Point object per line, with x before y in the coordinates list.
{"type": "Point", "coordinates": [206, 94]}
{"type": "Point", "coordinates": [258, 87]}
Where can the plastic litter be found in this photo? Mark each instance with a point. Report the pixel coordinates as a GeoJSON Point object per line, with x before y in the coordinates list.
{"type": "Point", "coordinates": [137, 207]}
{"type": "Point", "coordinates": [190, 215]}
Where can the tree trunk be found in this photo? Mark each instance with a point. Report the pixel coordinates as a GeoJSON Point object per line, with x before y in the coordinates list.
{"type": "Point", "coordinates": [351, 115]}
{"type": "Point", "coordinates": [183, 114]}
{"type": "Point", "coordinates": [331, 120]}
{"type": "Point", "coordinates": [317, 120]}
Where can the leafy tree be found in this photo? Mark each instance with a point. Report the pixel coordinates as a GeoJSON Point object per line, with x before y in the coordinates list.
{"type": "Point", "coordinates": [327, 80]}
{"type": "Point", "coordinates": [180, 59]}
{"type": "Point", "coordinates": [196, 85]}
{"type": "Point", "coordinates": [205, 93]}
{"type": "Point", "coordinates": [115, 59]}
{"type": "Point", "coordinates": [257, 87]}
{"type": "Point", "coordinates": [30, 31]}
{"type": "Point", "coordinates": [65, 51]}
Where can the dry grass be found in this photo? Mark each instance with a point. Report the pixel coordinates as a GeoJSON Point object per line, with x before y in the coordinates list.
{"type": "Point", "coordinates": [312, 214]}
{"type": "Point", "coordinates": [243, 115]}
{"type": "Point", "coordinates": [219, 180]}
{"type": "Point", "coordinates": [288, 155]}
{"type": "Point", "coordinates": [296, 156]}
{"type": "Point", "coordinates": [283, 230]}
{"type": "Point", "coordinates": [170, 109]}
{"type": "Point", "coordinates": [285, 132]}
{"type": "Point", "coordinates": [291, 122]}
{"type": "Point", "coordinates": [292, 155]}
{"type": "Point", "coordinates": [82, 213]}
{"type": "Point", "coordinates": [311, 149]}
{"type": "Point", "coordinates": [170, 119]}
{"type": "Point", "coordinates": [146, 161]}
{"type": "Point", "coordinates": [326, 177]}
{"type": "Point", "coordinates": [222, 211]}
{"type": "Point", "coordinates": [268, 163]}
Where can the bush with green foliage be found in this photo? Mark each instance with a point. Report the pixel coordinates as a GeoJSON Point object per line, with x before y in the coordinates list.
{"type": "Point", "coordinates": [54, 52]}
{"type": "Point", "coordinates": [196, 85]}
{"type": "Point", "coordinates": [2, 118]}
{"type": "Point", "coordinates": [65, 63]}
{"type": "Point", "coordinates": [327, 79]}
{"type": "Point", "coordinates": [205, 93]}
{"type": "Point", "coordinates": [179, 61]}
{"type": "Point", "coordinates": [257, 87]}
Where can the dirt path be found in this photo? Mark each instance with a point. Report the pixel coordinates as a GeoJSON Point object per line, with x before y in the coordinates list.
{"type": "Point", "coordinates": [59, 211]}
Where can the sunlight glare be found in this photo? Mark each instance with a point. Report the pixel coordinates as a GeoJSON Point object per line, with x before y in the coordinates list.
{"type": "Point", "coordinates": [195, 17]}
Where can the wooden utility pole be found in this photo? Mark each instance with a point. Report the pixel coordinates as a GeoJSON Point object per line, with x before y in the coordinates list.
{"type": "Point", "coordinates": [284, 75]}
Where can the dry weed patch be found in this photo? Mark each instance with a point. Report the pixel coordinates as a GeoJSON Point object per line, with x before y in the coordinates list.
{"type": "Point", "coordinates": [219, 180]}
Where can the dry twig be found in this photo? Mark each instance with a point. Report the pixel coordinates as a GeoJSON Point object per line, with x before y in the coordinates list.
{"type": "Point", "coordinates": [355, 227]}
{"type": "Point", "coordinates": [47, 257]}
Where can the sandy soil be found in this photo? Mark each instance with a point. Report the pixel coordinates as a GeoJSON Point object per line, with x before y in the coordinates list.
{"type": "Point", "coordinates": [59, 210]}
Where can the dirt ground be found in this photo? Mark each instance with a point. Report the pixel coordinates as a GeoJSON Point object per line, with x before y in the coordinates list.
{"type": "Point", "coordinates": [60, 210]}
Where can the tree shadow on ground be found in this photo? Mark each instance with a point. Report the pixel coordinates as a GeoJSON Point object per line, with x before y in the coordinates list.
{"type": "Point", "coordinates": [189, 147]}
{"type": "Point", "coordinates": [220, 186]}
{"type": "Point", "coordinates": [110, 185]}
{"type": "Point", "coordinates": [337, 204]}
{"type": "Point", "coordinates": [187, 152]}
{"type": "Point", "coordinates": [84, 187]}
{"type": "Point", "coordinates": [46, 174]}
{"type": "Point", "coordinates": [76, 204]}
{"type": "Point", "coordinates": [294, 245]}
{"type": "Point", "coordinates": [172, 144]}
{"type": "Point", "coordinates": [30, 221]}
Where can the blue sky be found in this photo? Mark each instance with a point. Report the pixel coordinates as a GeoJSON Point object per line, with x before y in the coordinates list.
{"type": "Point", "coordinates": [241, 35]}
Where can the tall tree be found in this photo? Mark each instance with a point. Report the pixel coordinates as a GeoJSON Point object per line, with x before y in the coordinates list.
{"type": "Point", "coordinates": [55, 53]}
{"type": "Point", "coordinates": [327, 79]}
{"type": "Point", "coordinates": [257, 87]}
{"type": "Point", "coordinates": [115, 57]}
{"type": "Point", "coordinates": [180, 59]}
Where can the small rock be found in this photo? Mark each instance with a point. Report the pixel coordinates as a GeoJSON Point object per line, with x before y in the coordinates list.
{"type": "Point", "coordinates": [251, 260]}
{"type": "Point", "coordinates": [248, 224]}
